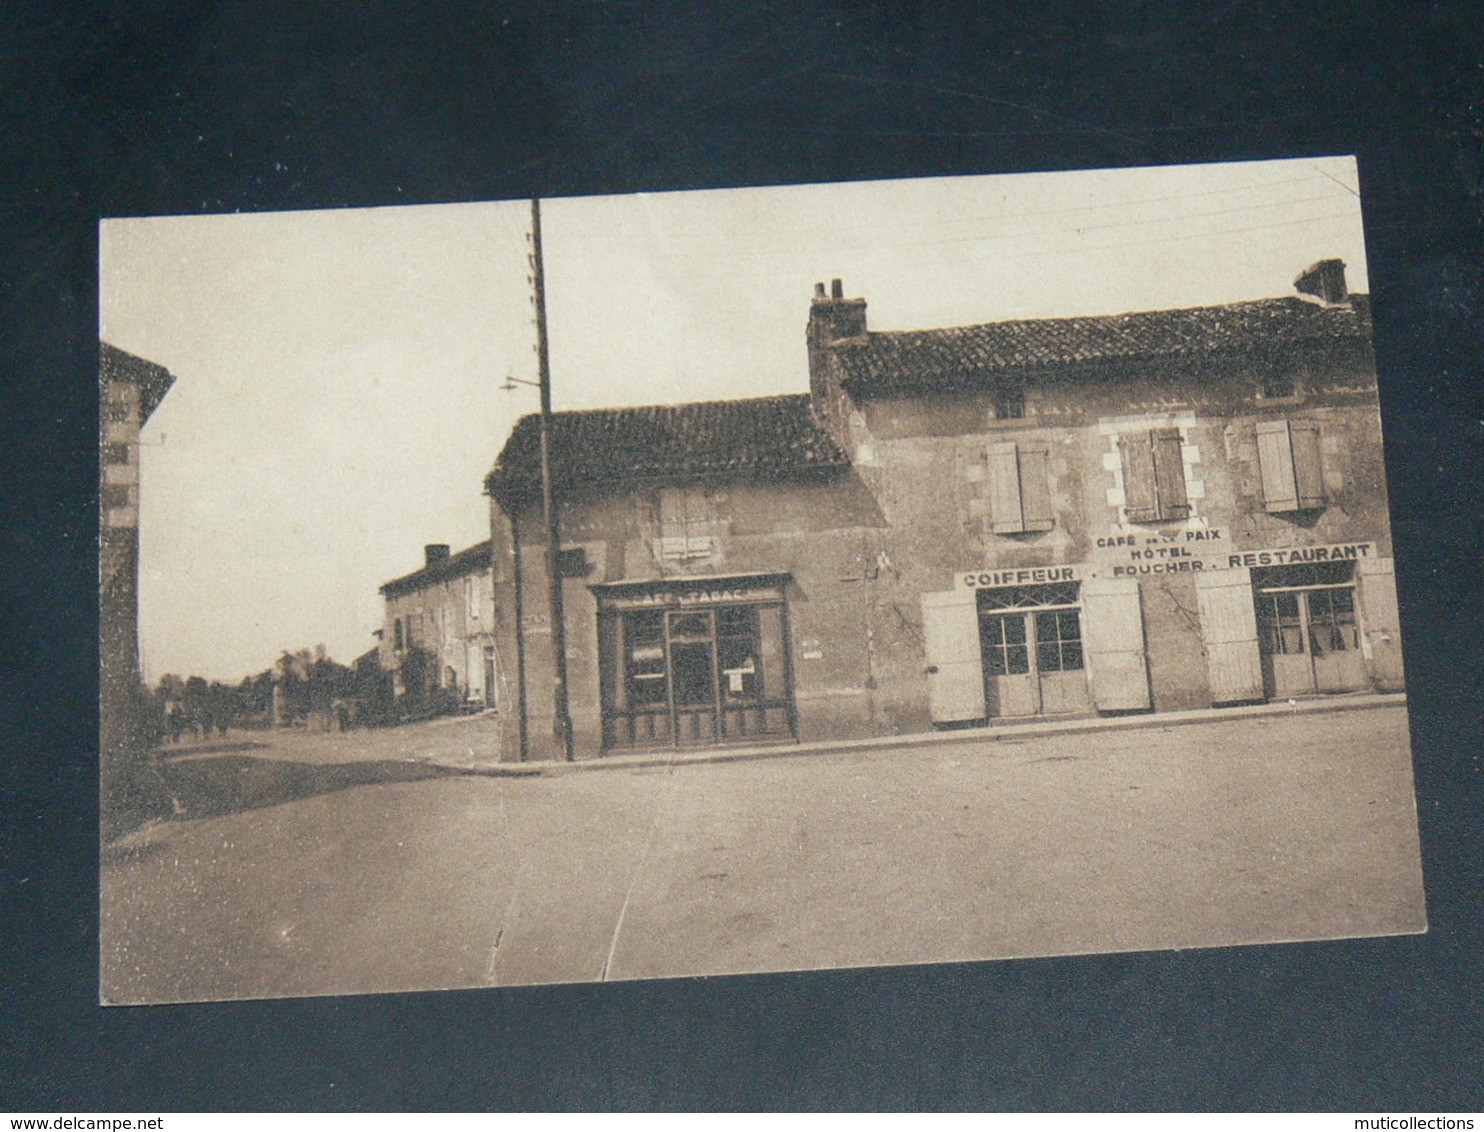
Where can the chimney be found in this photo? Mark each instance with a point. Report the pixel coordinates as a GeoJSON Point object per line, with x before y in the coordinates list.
{"type": "Point", "coordinates": [835, 318]}
{"type": "Point", "coordinates": [435, 552]}
{"type": "Point", "coordinates": [1324, 282]}
{"type": "Point", "coordinates": [834, 322]}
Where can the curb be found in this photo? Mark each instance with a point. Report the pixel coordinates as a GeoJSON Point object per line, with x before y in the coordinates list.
{"type": "Point", "coordinates": [981, 735]}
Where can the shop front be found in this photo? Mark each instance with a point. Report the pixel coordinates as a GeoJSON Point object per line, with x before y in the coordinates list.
{"type": "Point", "coordinates": [1044, 641]}
{"type": "Point", "coordinates": [694, 662]}
{"type": "Point", "coordinates": [1307, 629]}
{"type": "Point", "coordinates": [1219, 628]}
{"type": "Point", "coordinates": [1030, 642]}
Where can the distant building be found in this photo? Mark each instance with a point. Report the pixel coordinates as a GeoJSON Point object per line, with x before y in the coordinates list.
{"type": "Point", "coordinates": [443, 618]}
{"type": "Point", "coordinates": [1139, 512]}
{"type": "Point", "coordinates": [129, 390]}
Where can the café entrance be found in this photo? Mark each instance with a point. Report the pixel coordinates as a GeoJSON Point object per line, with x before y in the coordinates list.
{"type": "Point", "coordinates": [694, 662]}
{"type": "Point", "coordinates": [1308, 632]}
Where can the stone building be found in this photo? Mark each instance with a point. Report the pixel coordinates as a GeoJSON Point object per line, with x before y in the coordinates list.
{"type": "Point", "coordinates": [444, 615]}
{"type": "Point", "coordinates": [1151, 511]}
{"type": "Point", "coordinates": [129, 390]}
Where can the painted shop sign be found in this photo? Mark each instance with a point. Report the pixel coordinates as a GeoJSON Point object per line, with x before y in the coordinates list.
{"type": "Point", "coordinates": [1173, 562]}
{"type": "Point", "coordinates": [692, 596]}
{"type": "Point", "coordinates": [1144, 557]}
{"type": "Point", "coordinates": [1024, 576]}
{"type": "Point", "coordinates": [1142, 547]}
{"type": "Point", "coordinates": [1296, 555]}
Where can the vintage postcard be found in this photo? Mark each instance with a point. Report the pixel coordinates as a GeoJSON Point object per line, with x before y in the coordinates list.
{"type": "Point", "coordinates": [746, 581]}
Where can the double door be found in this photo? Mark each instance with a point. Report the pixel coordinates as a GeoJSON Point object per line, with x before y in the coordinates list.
{"type": "Point", "coordinates": [1034, 661]}
{"type": "Point", "coordinates": [1310, 640]}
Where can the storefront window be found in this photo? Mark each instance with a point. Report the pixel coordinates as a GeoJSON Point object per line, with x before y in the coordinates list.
{"type": "Point", "coordinates": [676, 675]}
{"type": "Point", "coordinates": [645, 645]}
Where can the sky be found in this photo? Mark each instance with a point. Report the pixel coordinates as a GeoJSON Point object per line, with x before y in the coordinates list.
{"type": "Point", "coordinates": [338, 393]}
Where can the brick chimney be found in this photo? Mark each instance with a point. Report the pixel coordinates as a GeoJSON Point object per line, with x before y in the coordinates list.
{"type": "Point", "coordinates": [1324, 282]}
{"type": "Point", "coordinates": [435, 552]}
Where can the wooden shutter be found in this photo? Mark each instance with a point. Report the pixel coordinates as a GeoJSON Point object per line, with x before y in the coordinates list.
{"type": "Point", "coordinates": [1288, 457]}
{"type": "Point", "coordinates": [955, 670]}
{"type": "Point", "coordinates": [1275, 461]}
{"type": "Point", "coordinates": [1005, 516]}
{"type": "Point", "coordinates": [1381, 621]}
{"type": "Point", "coordinates": [1113, 631]}
{"type": "Point", "coordinates": [684, 517]}
{"type": "Point", "coordinates": [1307, 471]}
{"type": "Point", "coordinates": [1139, 497]}
{"type": "Point", "coordinates": [1035, 491]}
{"type": "Point", "coordinates": [1229, 625]}
{"type": "Point", "coordinates": [1169, 473]}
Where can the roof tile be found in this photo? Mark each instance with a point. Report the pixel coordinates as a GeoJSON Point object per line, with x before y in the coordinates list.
{"type": "Point", "coordinates": [766, 436]}
{"type": "Point", "coordinates": [958, 355]}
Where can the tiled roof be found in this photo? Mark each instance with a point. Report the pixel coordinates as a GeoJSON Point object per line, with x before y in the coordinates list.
{"type": "Point", "coordinates": [766, 436]}
{"type": "Point", "coordinates": [477, 557]}
{"type": "Point", "coordinates": [957, 355]}
{"type": "Point", "coordinates": [154, 380]}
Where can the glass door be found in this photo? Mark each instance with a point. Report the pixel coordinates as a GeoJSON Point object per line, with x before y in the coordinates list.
{"type": "Point", "coordinates": [1310, 640]}
{"type": "Point", "coordinates": [692, 646]}
{"type": "Point", "coordinates": [1030, 639]}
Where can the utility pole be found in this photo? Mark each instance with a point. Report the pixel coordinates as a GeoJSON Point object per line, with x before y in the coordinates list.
{"type": "Point", "coordinates": [561, 715]}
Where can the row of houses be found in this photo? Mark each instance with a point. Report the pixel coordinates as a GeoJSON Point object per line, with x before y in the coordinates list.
{"type": "Point", "coordinates": [1144, 512]}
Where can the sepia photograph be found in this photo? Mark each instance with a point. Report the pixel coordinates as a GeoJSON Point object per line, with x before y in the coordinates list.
{"type": "Point", "coordinates": [745, 581]}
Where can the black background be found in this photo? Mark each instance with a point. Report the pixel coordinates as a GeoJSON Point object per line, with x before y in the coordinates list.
{"type": "Point", "coordinates": [153, 108]}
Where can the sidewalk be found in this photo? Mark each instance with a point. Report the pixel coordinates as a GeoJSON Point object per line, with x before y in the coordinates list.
{"type": "Point", "coordinates": [1344, 702]}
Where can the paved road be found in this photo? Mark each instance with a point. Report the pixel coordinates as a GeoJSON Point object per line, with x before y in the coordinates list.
{"type": "Point", "coordinates": [323, 865]}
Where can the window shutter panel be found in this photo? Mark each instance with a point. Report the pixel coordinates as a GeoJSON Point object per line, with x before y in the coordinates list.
{"type": "Point", "coordinates": [1005, 515]}
{"type": "Point", "coordinates": [1035, 491]}
{"type": "Point", "coordinates": [1229, 623]}
{"type": "Point", "coordinates": [1169, 474]}
{"type": "Point", "coordinates": [1139, 499]}
{"type": "Point", "coordinates": [1275, 459]}
{"type": "Point", "coordinates": [955, 669]}
{"type": "Point", "coordinates": [672, 512]}
{"type": "Point", "coordinates": [1381, 621]}
{"type": "Point", "coordinates": [1114, 639]}
{"type": "Point", "coordinates": [1307, 470]}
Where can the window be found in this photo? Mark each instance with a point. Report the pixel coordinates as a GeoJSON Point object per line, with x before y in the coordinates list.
{"type": "Point", "coordinates": [1058, 640]}
{"type": "Point", "coordinates": [1154, 476]}
{"type": "Point", "coordinates": [645, 669]}
{"type": "Point", "coordinates": [1019, 498]}
{"type": "Point", "coordinates": [1009, 615]}
{"type": "Point", "coordinates": [1009, 402]}
{"type": "Point", "coordinates": [1306, 608]}
{"type": "Point", "coordinates": [1279, 383]}
{"type": "Point", "coordinates": [397, 639]}
{"type": "Point", "coordinates": [1288, 456]}
{"type": "Point", "coordinates": [1006, 650]}
{"type": "Point", "coordinates": [685, 522]}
